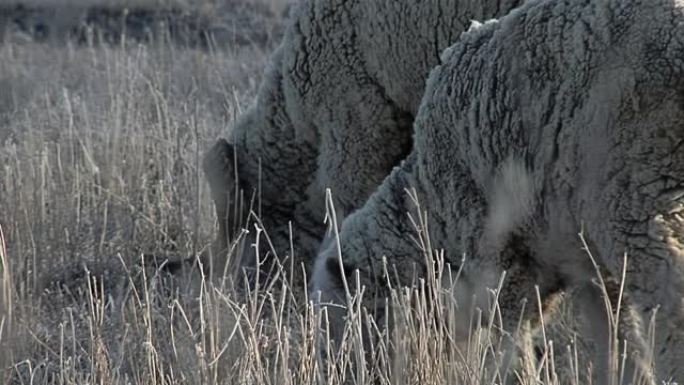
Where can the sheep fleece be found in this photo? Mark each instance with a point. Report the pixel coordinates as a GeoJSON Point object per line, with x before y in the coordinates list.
{"type": "Point", "coordinates": [335, 109]}
{"type": "Point", "coordinates": [561, 116]}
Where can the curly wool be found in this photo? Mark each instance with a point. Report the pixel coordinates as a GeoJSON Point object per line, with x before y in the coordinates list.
{"type": "Point", "coordinates": [588, 96]}
{"type": "Point", "coordinates": [335, 110]}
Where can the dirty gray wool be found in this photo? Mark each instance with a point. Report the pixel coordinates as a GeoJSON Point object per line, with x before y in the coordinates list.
{"type": "Point", "coordinates": [588, 98]}
{"type": "Point", "coordinates": [335, 110]}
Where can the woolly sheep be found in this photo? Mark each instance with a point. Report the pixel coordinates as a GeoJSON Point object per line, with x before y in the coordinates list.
{"type": "Point", "coordinates": [562, 116]}
{"type": "Point", "coordinates": [335, 111]}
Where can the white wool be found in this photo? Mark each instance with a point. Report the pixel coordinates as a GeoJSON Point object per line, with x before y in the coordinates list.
{"type": "Point", "coordinates": [336, 107]}
{"type": "Point", "coordinates": [588, 93]}
{"type": "Point", "coordinates": [511, 202]}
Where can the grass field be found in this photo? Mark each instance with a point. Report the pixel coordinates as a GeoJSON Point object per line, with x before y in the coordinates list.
{"type": "Point", "coordinates": [102, 205]}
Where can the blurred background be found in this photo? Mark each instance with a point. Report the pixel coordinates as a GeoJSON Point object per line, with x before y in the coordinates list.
{"type": "Point", "coordinates": [191, 24]}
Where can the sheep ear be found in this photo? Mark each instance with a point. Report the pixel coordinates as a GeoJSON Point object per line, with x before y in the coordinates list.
{"type": "Point", "coordinates": [218, 165]}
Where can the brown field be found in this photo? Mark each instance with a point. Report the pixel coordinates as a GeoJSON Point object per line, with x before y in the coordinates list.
{"type": "Point", "coordinates": [105, 217]}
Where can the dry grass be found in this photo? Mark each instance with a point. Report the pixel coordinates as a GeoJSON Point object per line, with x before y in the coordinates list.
{"type": "Point", "coordinates": [100, 152]}
{"type": "Point", "coordinates": [101, 200]}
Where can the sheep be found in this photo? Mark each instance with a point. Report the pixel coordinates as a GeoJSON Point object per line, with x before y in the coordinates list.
{"type": "Point", "coordinates": [335, 111]}
{"type": "Point", "coordinates": [559, 118]}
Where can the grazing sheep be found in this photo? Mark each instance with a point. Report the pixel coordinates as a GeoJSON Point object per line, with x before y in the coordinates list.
{"type": "Point", "coordinates": [561, 116]}
{"type": "Point", "coordinates": [335, 110]}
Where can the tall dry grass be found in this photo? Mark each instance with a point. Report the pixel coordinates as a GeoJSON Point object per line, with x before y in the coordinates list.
{"type": "Point", "coordinates": [105, 222]}
{"type": "Point", "coordinates": [100, 153]}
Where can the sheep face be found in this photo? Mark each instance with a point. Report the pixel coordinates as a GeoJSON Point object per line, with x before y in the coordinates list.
{"type": "Point", "coordinates": [219, 167]}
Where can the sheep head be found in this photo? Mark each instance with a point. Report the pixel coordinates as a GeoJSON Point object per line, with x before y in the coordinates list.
{"type": "Point", "coordinates": [220, 170]}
